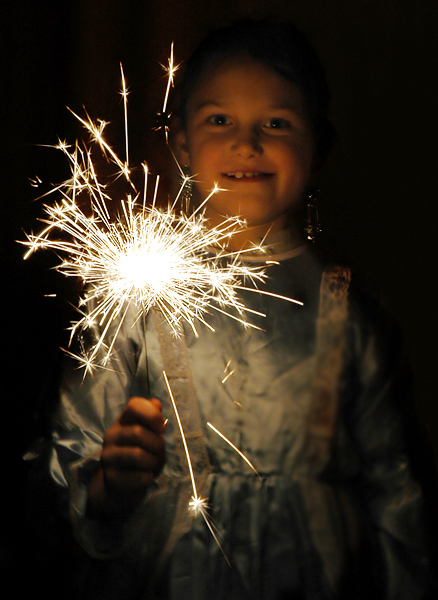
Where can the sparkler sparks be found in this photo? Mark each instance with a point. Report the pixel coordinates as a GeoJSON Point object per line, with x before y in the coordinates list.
{"type": "Point", "coordinates": [146, 257]}
{"type": "Point", "coordinates": [197, 504]}
{"type": "Point", "coordinates": [235, 448]}
{"type": "Point", "coordinates": [170, 71]}
{"type": "Point", "coordinates": [124, 94]}
{"type": "Point", "coordinates": [149, 258]}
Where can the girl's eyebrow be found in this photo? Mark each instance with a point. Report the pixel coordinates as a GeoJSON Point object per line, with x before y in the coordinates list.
{"type": "Point", "coordinates": [219, 104]}
{"type": "Point", "coordinates": [208, 103]}
{"type": "Point", "coordinates": [288, 106]}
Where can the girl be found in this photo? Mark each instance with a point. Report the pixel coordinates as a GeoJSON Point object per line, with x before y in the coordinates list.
{"type": "Point", "coordinates": [311, 398]}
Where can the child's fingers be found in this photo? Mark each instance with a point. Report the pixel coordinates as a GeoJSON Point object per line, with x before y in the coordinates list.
{"type": "Point", "coordinates": [136, 435]}
{"type": "Point", "coordinates": [118, 460]}
{"type": "Point", "coordinates": [157, 403]}
{"type": "Point", "coordinates": [145, 412]}
{"type": "Point", "coordinates": [129, 481]}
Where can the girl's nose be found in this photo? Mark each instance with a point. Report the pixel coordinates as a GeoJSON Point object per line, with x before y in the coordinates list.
{"type": "Point", "coordinates": [247, 144]}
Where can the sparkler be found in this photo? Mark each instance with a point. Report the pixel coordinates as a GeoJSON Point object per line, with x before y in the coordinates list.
{"type": "Point", "coordinates": [147, 257]}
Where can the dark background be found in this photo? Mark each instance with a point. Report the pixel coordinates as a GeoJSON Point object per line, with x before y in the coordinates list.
{"type": "Point", "coordinates": [378, 199]}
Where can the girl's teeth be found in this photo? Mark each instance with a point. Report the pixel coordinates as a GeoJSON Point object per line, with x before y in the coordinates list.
{"type": "Point", "coordinates": [241, 175]}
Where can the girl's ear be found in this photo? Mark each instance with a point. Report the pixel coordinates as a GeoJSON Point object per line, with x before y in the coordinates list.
{"type": "Point", "coordinates": [181, 150]}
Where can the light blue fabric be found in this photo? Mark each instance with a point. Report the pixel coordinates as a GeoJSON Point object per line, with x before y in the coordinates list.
{"type": "Point", "coordinates": [306, 527]}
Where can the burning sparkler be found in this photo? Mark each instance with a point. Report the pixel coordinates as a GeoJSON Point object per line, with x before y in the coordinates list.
{"type": "Point", "coordinates": [147, 257]}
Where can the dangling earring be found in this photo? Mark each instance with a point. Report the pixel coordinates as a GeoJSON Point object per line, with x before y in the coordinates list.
{"type": "Point", "coordinates": [312, 226]}
{"type": "Point", "coordinates": [187, 191]}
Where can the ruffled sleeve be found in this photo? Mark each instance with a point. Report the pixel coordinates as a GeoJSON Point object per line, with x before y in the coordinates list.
{"type": "Point", "coordinates": [89, 403]}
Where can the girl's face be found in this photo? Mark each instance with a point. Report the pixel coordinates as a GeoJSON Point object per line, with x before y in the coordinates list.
{"type": "Point", "coordinates": [248, 132]}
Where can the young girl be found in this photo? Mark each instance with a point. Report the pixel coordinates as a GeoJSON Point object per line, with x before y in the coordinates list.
{"type": "Point", "coordinates": [311, 397]}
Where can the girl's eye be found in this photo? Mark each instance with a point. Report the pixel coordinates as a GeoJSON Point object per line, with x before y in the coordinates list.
{"type": "Point", "coordinates": [219, 120]}
{"type": "Point", "coordinates": [277, 123]}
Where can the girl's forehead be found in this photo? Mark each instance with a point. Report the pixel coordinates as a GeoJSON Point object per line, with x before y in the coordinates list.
{"type": "Point", "coordinates": [236, 78]}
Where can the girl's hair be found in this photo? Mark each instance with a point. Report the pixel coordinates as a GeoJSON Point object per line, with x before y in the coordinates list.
{"type": "Point", "coordinates": [278, 45]}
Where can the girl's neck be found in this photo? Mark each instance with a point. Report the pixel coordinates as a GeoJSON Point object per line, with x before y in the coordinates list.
{"type": "Point", "coordinates": [258, 240]}
{"type": "Point", "coordinates": [261, 236]}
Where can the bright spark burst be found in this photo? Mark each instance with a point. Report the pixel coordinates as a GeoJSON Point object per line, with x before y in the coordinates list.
{"type": "Point", "coordinates": [146, 257]}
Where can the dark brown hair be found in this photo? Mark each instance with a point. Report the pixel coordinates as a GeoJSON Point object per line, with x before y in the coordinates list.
{"type": "Point", "coordinates": [282, 47]}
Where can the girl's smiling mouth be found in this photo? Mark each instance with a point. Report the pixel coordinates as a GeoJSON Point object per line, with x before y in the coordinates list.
{"type": "Point", "coordinates": [247, 175]}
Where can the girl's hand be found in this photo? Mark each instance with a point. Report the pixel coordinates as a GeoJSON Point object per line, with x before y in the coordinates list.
{"type": "Point", "coordinates": [133, 454]}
